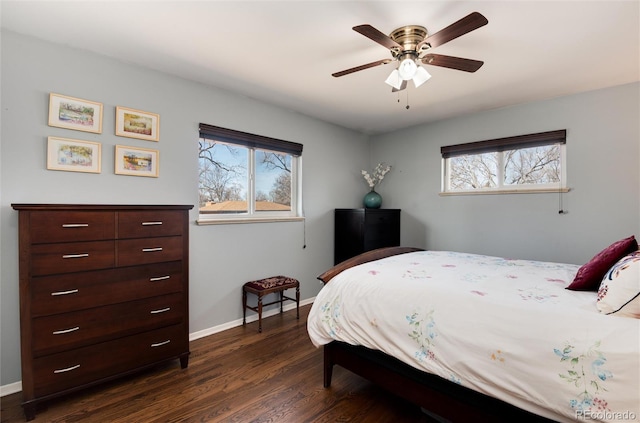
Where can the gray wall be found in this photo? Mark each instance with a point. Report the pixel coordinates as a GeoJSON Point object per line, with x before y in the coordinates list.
{"type": "Point", "coordinates": [603, 157]}
{"type": "Point", "coordinates": [602, 171]}
{"type": "Point", "coordinates": [223, 257]}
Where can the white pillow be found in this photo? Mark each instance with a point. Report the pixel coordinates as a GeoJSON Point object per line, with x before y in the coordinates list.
{"type": "Point", "coordinates": [619, 291]}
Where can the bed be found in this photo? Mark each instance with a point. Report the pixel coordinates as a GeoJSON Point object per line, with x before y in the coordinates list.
{"type": "Point", "coordinates": [478, 338]}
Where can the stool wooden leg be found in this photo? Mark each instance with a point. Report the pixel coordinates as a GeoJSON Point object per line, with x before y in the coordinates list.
{"type": "Point", "coordinates": [281, 301]}
{"type": "Point", "coordinates": [298, 302]}
{"type": "Point", "coordinates": [259, 313]}
{"type": "Point", "coordinates": [244, 307]}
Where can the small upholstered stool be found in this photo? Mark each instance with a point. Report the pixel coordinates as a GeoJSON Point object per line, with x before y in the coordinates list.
{"type": "Point", "coordinates": [266, 286]}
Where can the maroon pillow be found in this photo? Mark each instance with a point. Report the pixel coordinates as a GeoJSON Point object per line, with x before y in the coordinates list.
{"type": "Point", "coordinates": [590, 275]}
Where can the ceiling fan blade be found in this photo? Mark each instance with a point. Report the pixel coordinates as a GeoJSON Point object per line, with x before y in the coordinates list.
{"type": "Point", "coordinates": [467, 24]}
{"type": "Point", "coordinates": [402, 87]}
{"type": "Point", "coordinates": [377, 36]}
{"type": "Point", "coordinates": [361, 67]}
{"type": "Point", "coordinates": [458, 63]}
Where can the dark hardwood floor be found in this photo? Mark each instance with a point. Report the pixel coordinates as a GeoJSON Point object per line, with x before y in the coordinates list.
{"type": "Point", "coordinates": [237, 375]}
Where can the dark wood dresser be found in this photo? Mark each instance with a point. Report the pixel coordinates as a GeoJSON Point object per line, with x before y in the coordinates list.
{"type": "Point", "coordinates": [103, 293]}
{"type": "Point", "coordinates": [361, 230]}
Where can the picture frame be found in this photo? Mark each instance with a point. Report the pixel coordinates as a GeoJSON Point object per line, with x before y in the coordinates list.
{"type": "Point", "coordinates": [135, 161]}
{"type": "Point", "coordinates": [75, 113]}
{"type": "Point", "coordinates": [72, 155]}
{"type": "Point", "coordinates": [133, 123]}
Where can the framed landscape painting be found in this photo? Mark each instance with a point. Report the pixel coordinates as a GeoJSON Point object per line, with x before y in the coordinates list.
{"type": "Point", "coordinates": [137, 161]}
{"type": "Point", "coordinates": [137, 124]}
{"type": "Point", "coordinates": [73, 155]}
{"type": "Point", "coordinates": [75, 113]}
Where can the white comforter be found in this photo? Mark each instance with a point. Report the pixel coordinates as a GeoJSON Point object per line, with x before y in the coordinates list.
{"type": "Point", "coordinates": [506, 328]}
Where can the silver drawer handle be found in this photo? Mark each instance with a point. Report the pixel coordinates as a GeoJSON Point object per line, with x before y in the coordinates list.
{"type": "Point", "coordinates": [61, 332]}
{"type": "Point", "coordinates": [162, 310]}
{"type": "Point", "coordinates": [75, 225]}
{"type": "Point", "coordinates": [68, 256]}
{"type": "Point", "coordinates": [151, 223]}
{"type": "Point", "coordinates": [159, 344]}
{"type": "Point", "coordinates": [71, 291]}
{"type": "Point", "coordinates": [159, 278]}
{"type": "Point", "coordinates": [150, 250]}
{"type": "Point", "coordinates": [68, 369]}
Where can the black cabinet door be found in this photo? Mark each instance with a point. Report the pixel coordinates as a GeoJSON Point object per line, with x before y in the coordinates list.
{"type": "Point", "coordinates": [360, 230]}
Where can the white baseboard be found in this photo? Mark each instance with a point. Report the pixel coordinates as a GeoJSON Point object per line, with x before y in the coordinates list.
{"type": "Point", "coordinates": [250, 318]}
{"type": "Point", "coordinates": [12, 388]}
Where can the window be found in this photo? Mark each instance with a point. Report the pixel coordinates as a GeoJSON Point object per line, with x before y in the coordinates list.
{"type": "Point", "coordinates": [525, 163]}
{"type": "Point", "coordinates": [245, 177]}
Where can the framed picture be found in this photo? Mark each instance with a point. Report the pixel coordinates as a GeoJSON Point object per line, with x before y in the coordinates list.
{"type": "Point", "coordinates": [137, 161]}
{"type": "Point", "coordinates": [137, 124]}
{"type": "Point", "coordinates": [75, 113]}
{"type": "Point", "coordinates": [73, 155]}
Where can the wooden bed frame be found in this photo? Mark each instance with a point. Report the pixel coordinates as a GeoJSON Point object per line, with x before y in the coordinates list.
{"type": "Point", "coordinates": [438, 397]}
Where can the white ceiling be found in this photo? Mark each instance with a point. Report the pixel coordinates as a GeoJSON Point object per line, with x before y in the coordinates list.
{"type": "Point", "coordinates": [284, 52]}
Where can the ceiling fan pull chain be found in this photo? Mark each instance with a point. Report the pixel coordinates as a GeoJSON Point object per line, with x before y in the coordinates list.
{"type": "Point", "coordinates": [407, 100]}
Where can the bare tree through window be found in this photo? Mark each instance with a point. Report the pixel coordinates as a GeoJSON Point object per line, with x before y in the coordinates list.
{"type": "Point", "coordinates": [224, 171]}
{"type": "Point", "coordinates": [520, 167]}
{"type": "Point", "coordinates": [536, 165]}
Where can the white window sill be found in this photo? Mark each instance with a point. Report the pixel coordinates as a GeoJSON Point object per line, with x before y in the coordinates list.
{"type": "Point", "coordinates": [233, 221]}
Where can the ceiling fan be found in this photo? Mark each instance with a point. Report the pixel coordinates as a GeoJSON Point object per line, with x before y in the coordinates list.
{"type": "Point", "coordinates": [412, 43]}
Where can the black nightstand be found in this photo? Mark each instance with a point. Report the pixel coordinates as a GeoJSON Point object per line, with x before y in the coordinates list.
{"type": "Point", "coordinates": [360, 230]}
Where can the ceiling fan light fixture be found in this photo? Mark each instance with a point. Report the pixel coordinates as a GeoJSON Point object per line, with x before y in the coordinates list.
{"type": "Point", "coordinates": [407, 68]}
{"type": "Point", "coordinates": [394, 79]}
{"type": "Point", "coordinates": [421, 76]}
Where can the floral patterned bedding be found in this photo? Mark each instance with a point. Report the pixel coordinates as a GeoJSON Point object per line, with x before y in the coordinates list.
{"type": "Point", "coordinates": [506, 328]}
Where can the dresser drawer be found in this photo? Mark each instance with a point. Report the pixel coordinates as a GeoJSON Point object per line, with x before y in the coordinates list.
{"type": "Point", "coordinates": [48, 259]}
{"type": "Point", "coordinates": [77, 291]}
{"type": "Point", "coordinates": [57, 372]}
{"type": "Point", "coordinates": [381, 221]}
{"type": "Point", "coordinates": [145, 224]}
{"type": "Point", "coordinates": [149, 250]}
{"type": "Point", "coordinates": [382, 229]}
{"type": "Point", "coordinates": [70, 226]}
{"type": "Point", "coordinates": [383, 235]}
{"type": "Point", "coordinates": [61, 332]}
